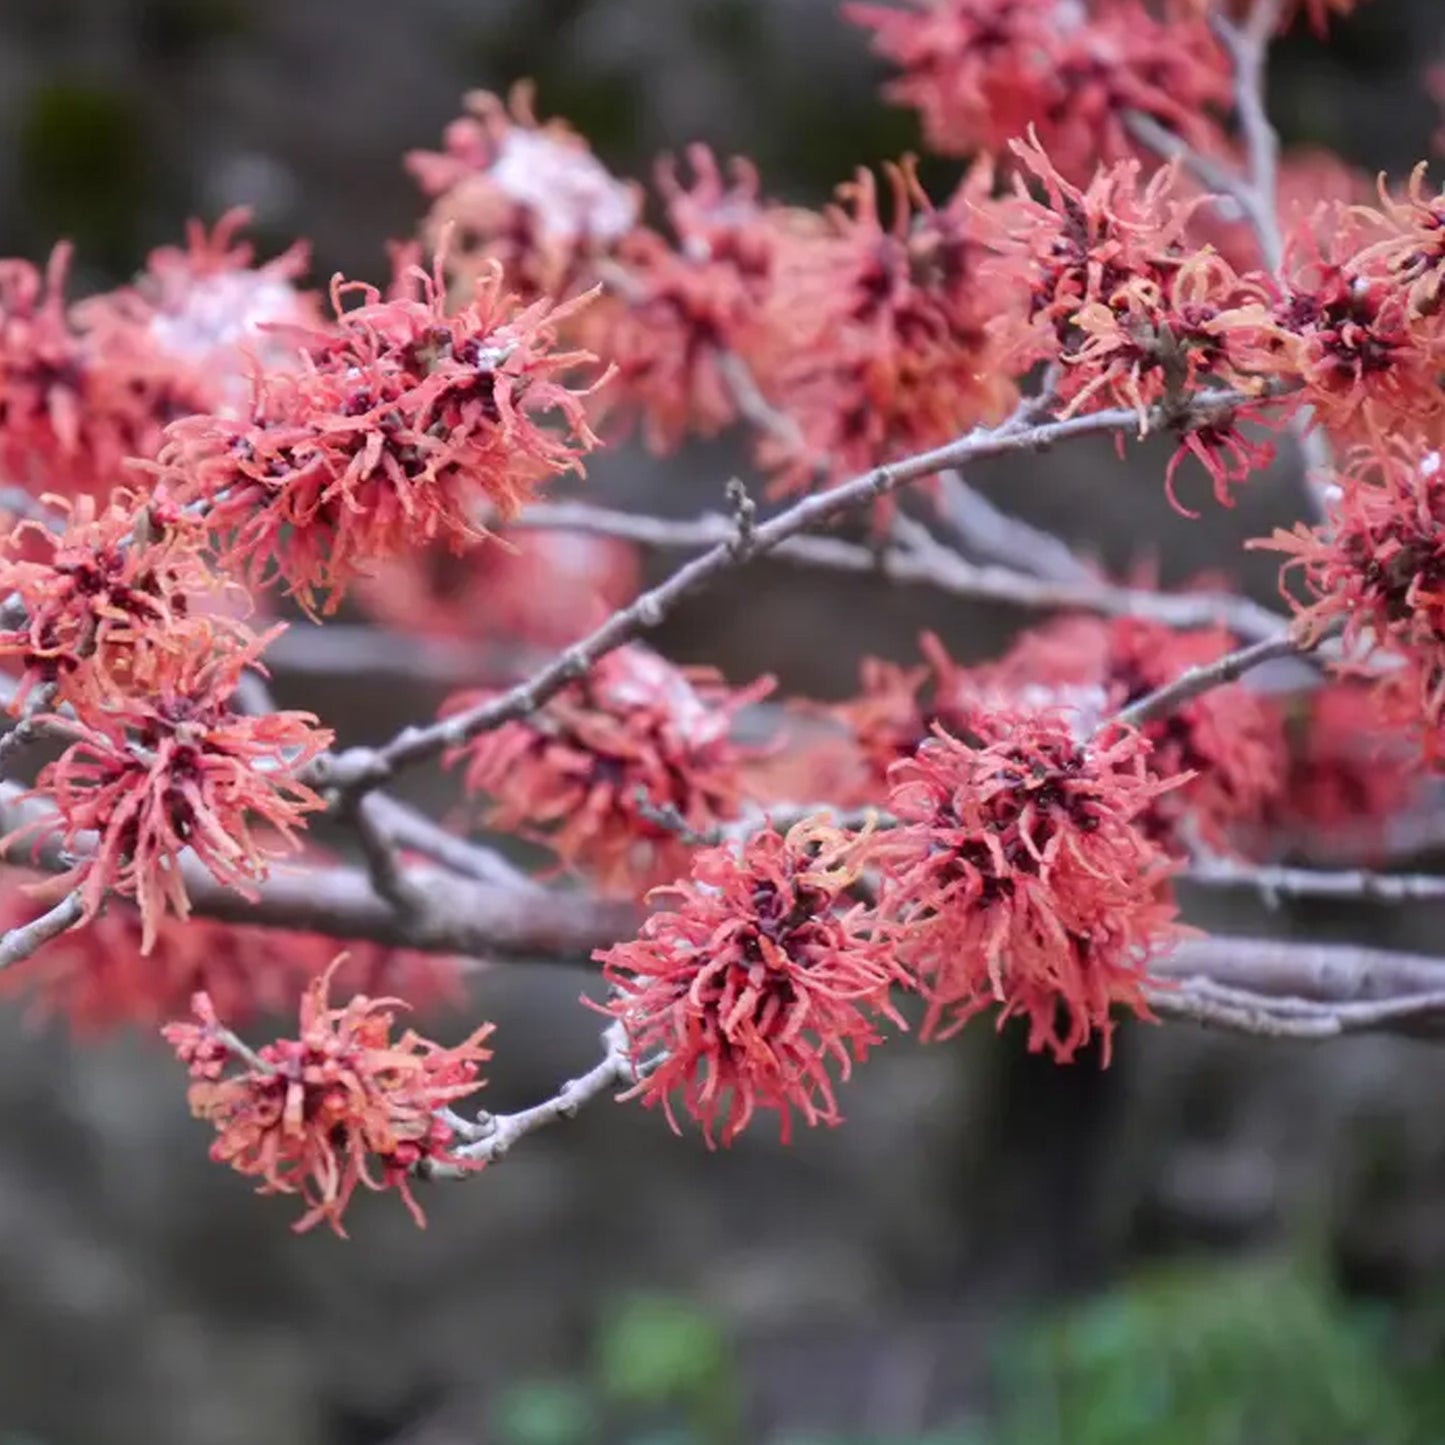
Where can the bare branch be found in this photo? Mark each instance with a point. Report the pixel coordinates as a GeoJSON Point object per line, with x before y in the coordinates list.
{"type": "Point", "coordinates": [383, 863]}
{"type": "Point", "coordinates": [1204, 1002]}
{"type": "Point", "coordinates": [30, 727]}
{"type": "Point", "coordinates": [19, 943]}
{"type": "Point", "coordinates": [1196, 681]}
{"type": "Point", "coordinates": [997, 537]}
{"type": "Point", "coordinates": [925, 562]}
{"type": "Point", "coordinates": [1332, 973]}
{"type": "Point", "coordinates": [1355, 883]}
{"type": "Point", "coordinates": [360, 769]}
{"type": "Point", "coordinates": [493, 1135]}
{"type": "Point", "coordinates": [417, 833]}
{"type": "Point", "coordinates": [1248, 47]}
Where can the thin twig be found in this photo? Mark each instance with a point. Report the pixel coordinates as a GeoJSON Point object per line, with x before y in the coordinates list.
{"type": "Point", "coordinates": [1275, 883]}
{"type": "Point", "coordinates": [493, 1135]}
{"type": "Point", "coordinates": [378, 848]}
{"type": "Point", "coordinates": [1198, 680]}
{"type": "Point", "coordinates": [417, 833]}
{"type": "Point", "coordinates": [1238, 1011]}
{"type": "Point", "coordinates": [360, 769]}
{"type": "Point", "coordinates": [17, 944]}
{"type": "Point", "coordinates": [924, 562]}
{"type": "Point", "coordinates": [1248, 47]}
{"type": "Point", "coordinates": [998, 537]}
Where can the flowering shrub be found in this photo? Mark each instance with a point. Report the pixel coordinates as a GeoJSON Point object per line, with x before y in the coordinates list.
{"type": "Point", "coordinates": [768, 889]}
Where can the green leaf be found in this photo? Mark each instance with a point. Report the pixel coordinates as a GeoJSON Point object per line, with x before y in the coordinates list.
{"type": "Point", "coordinates": [653, 1350]}
{"type": "Point", "coordinates": [545, 1412]}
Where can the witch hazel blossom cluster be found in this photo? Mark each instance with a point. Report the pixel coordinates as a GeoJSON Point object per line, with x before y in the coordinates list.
{"type": "Point", "coordinates": [204, 467]}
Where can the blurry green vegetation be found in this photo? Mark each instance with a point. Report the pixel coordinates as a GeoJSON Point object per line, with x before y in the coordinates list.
{"type": "Point", "coordinates": [84, 168]}
{"type": "Point", "coordinates": [1253, 1355]}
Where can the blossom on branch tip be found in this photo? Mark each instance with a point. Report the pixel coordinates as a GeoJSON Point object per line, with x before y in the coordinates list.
{"type": "Point", "coordinates": [343, 1104]}
{"type": "Point", "coordinates": [594, 771]}
{"type": "Point", "coordinates": [407, 423]}
{"type": "Point", "coordinates": [76, 403]}
{"type": "Point", "coordinates": [116, 603]}
{"type": "Point", "coordinates": [683, 306]}
{"type": "Point", "coordinates": [1347, 328]}
{"type": "Point", "coordinates": [886, 332]}
{"type": "Point", "coordinates": [529, 195]}
{"type": "Point", "coordinates": [1131, 311]}
{"type": "Point", "coordinates": [1228, 742]}
{"type": "Point", "coordinates": [1352, 770]}
{"type": "Point", "coordinates": [1376, 570]}
{"type": "Point", "coordinates": [171, 775]}
{"type": "Point", "coordinates": [1021, 875]}
{"type": "Point", "coordinates": [760, 982]}
{"type": "Point", "coordinates": [542, 589]}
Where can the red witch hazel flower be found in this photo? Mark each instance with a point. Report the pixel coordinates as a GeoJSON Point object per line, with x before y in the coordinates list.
{"type": "Point", "coordinates": [1229, 742]}
{"type": "Point", "coordinates": [886, 332]}
{"type": "Point", "coordinates": [172, 774]}
{"type": "Point", "coordinates": [899, 707]}
{"type": "Point", "coordinates": [981, 72]}
{"type": "Point", "coordinates": [682, 308]}
{"type": "Point", "coordinates": [209, 308]}
{"type": "Point", "coordinates": [758, 983]}
{"type": "Point", "coordinates": [543, 588]}
{"type": "Point", "coordinates": [1020, 874]}
{"type": "Point", "coordinates": [590, 774]}
{"type": "Point", "coordinates": [530, 196]}
{"type": "Point", "coordinates": [115, 602]}
{"type": "Point", "coordinates": [1349, 327]}
{"type": "Point", "coordinates": [1377, 571]}
{"type": "Point", "coordinates": [1352, 772]}
{"type": "Point", "coordinates": [342, 1105]}
{"type": "Point", "coordinates": [75, 404]}
{"type": "Point", "coordinates": [407, 424]}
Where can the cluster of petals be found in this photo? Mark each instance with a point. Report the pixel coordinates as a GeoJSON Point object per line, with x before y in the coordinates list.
{"type": "Point", "coordinates": [86, 388]}
{"type": "Point", "coordinates": [898, 707]}
{"type": "Point", "coordinates": [114, 600]}
{"type": "Point", "coordinates": [1375, 569]}
{"type": "Point", "coordinates": [172, 775]}
{"type": "Point", "coordinates": [1022, 874]}
{"type": "Point", "coordinates": [760, 981]}
{"type": "Point", "coordinates": [406, 423]}
{"type": "Point", "coordinates": [618, 771]}
{"type": "Point", "coordinates": [97, 979]}
{"type": "Point", "coordinates": [688, 305]}
{"type": "Point", "coordinates": [210, 308]}
{"type": "Point", "coordinates": [981, 72]}
{"type": "Point", "coordinates": [528, 195]}
{"type": "Point", "coordinates": [75, 406]}
{"type": "Point", "coordinates": [341, 1105]}
{"type": "Point", "coordinates": [1133, 313]}
{"type": "Point", "coordinates": [888, 331]}
{"type": "Point", "coordinates": [1355, 326]}
{"type": "Point", "coordinates": [1229, 741]}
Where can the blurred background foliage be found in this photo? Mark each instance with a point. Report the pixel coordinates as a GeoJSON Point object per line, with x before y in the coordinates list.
{"type": "Point", "coordinates": [1259, 1353]}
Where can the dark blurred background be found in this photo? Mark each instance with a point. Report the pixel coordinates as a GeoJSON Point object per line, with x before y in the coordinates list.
{"type": "Point", "coordinates": [1216, 1241]}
